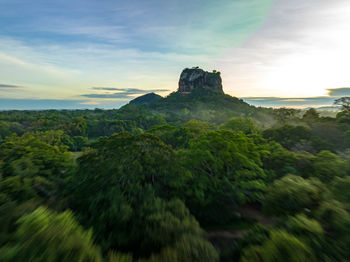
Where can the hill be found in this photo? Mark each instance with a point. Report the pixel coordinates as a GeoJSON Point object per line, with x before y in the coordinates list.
{"type": "Point", "coordinates": [146, 99]}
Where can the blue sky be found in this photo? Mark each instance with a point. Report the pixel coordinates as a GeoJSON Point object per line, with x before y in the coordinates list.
{"type": "Point", "coordinates": [86, 54]}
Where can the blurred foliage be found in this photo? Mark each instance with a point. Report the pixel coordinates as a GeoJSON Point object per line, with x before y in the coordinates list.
{"type": "Point", "coordinates": [46, 236]}
{"type": "Point", "coordinates": [188, 248]}
{"type": "Point", "coordinates": [327, 166]}
{"type": "Point", "coordinates": [280, 246]}
{"type": "Point", "coordinates": [293, 194]}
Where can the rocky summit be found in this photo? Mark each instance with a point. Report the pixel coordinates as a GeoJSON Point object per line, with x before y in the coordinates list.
{"type": "Point", "coordinates": [196, 78]}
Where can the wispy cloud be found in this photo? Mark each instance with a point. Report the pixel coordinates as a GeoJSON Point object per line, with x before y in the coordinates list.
{"type": "Point", "coordinates": [89, 30]}
{"type": "Point", "coordinates": [297, 102]}
{"type": "Point", "coordinates": [123, 93]}
{"type": "Point", "coordinates": [108, 88]}
{"type": "Point", "coordinates": [42, 104]}
{"type": "Point", "coordinates": [130, 90]}
{"type": "Point", "coordinates": [109, 96]}
{"type": "Point", "coordinates": [58, 68]}
{"type": "Point", "coordinates": [343, 91]}
{"type": "Point", "coordinates": [5, 86]}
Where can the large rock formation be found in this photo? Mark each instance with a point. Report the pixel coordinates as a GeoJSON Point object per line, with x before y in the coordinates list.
{"type": "Point", "coordinates": [196, 78]}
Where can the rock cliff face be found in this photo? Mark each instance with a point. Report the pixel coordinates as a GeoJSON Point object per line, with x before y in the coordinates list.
{"type": "Point", "coordinates": [195, 78]}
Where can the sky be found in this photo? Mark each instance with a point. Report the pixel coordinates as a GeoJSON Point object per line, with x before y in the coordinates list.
{"type": "Point", "coordinates": [88, 53]}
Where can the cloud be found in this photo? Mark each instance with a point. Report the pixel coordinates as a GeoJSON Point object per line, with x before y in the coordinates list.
{"type": "Point", "coordinates": [297, 102]}
{"type": "Point", "coordinates": [99, 32]}
{"type": "Point", "coordinates": [37, 104]}
{"type": "Point", "coordinates": [44, 104]}
{"type": "Point", "coordinates": [56, 68]}
{"type": "Point", "coordinates": [108, 88]}
{"type": "Point", "coordinates": [130, 90]}
{"type": "Point", "coordinates": [343, 91]}
{"type": "Point", "coordinates": [123, 93]}
{"type": "Point", "coordinates": [109, 96]}
{"type": "Point", "coordinates": [5, 86]}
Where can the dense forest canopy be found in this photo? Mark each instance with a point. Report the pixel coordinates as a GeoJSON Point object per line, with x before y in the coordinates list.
{"type": "Point", "coordinates": [190, 177]}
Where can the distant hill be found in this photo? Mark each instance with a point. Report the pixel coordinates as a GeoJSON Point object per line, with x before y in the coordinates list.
{"type": "Point", "coordinates": [146, 99]}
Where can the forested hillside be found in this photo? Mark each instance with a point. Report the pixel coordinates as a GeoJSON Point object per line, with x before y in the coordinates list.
{"type": "Point", "coordinates": [190, 177]}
